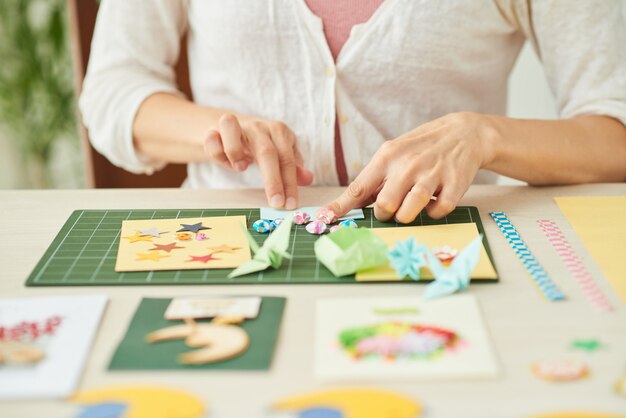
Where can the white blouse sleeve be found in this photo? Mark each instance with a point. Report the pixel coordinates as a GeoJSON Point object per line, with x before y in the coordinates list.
{"type": "Point", "coordinates": [582, 44]}
{"type": "Point", "coordinates": [134, 50]}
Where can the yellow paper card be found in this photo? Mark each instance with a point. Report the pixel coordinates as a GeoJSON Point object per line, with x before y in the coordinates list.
{"type": "Point", "coordinates": [183, 244]}
{"type": "Point", "coordinates": [600, 222]}
{"type": "Point", "coordinates": [453, 235]}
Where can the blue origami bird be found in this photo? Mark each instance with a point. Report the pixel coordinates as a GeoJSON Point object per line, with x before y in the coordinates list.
{"type": "Point", "coordinates": [457, 276]}
{"type": "Point", "coordinates": [408, 257]}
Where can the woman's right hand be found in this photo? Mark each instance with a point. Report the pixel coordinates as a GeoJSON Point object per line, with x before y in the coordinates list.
{"type": "Point", "coordinates": [240, 141]}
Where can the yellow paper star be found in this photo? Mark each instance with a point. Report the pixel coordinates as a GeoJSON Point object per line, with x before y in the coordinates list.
{"type": "Point", "coordinates": [154, 256]}
{"type": "Point", "coordinates": [223, 249]}
{"type": "Point", "coordinates": [138, 237]}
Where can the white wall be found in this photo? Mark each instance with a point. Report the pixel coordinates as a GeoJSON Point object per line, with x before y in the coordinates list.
{"type": "Point", "coordinates": [529, 93]}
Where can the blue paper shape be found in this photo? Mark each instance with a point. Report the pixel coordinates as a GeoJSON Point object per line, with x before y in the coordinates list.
{"type": "Point", "coordinates": [104, 410]}
{"type": "Point", "coordinates": [407, 257]}
{"type": "Point", "coordinates": [457, 276]}
{"type": "Point", "coordinates": [321, 413]}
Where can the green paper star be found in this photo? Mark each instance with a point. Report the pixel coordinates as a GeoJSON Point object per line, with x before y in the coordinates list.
{"type": "Point", "coordinates": [587, 345]}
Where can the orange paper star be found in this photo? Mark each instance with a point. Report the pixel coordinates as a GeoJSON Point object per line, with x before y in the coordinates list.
{"type": "Point", "coordinates": [223, 249]}
{"type": "Point", "coordinates": [150, 256]}
{"type": "Point", "coordinates": [203, 259]}
{"type": "Point", "coordinates": [166, 247]}
{"type": "Point", "coordinates": [139, 237]}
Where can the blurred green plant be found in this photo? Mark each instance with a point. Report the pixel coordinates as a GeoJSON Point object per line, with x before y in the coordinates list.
{"type": "Point", "coordinates": [36, 90]}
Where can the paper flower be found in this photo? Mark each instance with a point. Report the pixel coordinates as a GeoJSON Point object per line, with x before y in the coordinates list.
{"type": "Point", "coordinates": [301, 218]}
{"type": "Point", "coordinates": [327, 216]}
{"type": "Point", "coordinates": [316, 227]}
{"type": "Point", "coordinates": [407, 257]}
{"type": "Point", "coordinates": [262, 226]}
{"type": "Point", "coordinates": [349, 223]}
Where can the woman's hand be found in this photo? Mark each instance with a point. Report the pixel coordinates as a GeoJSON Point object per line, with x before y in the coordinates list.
{"type": "Point", "coordinates": [439, 158]}
{"type": "Point", "coordinates": [241, 141]}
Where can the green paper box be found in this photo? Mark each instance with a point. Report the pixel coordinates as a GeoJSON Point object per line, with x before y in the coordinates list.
{"type": "Point", "coordinates": [348, 250]}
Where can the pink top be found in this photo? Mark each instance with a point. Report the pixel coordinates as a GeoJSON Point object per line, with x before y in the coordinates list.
{"type": "Point", "coordinates": [338, 17]}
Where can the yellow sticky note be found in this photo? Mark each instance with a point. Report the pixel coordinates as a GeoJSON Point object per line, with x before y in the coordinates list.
{"type": "Point", "coordinates": [600, 222]}
{"type": "Point", "coordinates": [183, 244]}
{"type": "Point", "coordinates": [452, 235]}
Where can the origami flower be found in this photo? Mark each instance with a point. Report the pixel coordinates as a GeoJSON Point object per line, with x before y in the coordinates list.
{"type": "Point", "coordinates": [407, 257]}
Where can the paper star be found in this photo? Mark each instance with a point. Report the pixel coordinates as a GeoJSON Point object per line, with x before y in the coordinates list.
{"type": "Point", "coordinates": [153, 232]}
{"type": "Point", "coordinates": [223, 249]}
{"type": "Point", "coordinates": [193, 227]}
{"type": "Point", "coordinates": [586, 345]}
{"type": "Point", "coordinates": [137, 237]}
{"type": "Point", "coordinates": [203, 259]}
{"type": "Point", "coordinates": [150, 256]}
{"type": "Point", "coordinates": [166, 247]}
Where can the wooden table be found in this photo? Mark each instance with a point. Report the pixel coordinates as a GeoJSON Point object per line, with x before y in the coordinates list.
{"type": "Point", "coordinates": [523, 326]}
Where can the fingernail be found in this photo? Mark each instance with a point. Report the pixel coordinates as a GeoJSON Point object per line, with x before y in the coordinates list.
{"type": "Point", "coordinates": [291, 203]}
{"type": "Point", "coordinates": [277, 201]}
{"type": "Point", "coordinates": [241, 165]}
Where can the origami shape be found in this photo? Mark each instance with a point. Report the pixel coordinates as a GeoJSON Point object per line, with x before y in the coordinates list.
{"type": "Point", "coordinates": [349, 250]}
{"type": "Point", "coordinates": [271, 254]}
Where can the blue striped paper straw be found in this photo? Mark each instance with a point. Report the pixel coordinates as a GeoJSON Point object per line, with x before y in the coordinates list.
{"type": "Point", "coordinates": [538, 274]}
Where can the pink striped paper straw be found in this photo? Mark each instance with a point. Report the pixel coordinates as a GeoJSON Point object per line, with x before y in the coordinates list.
{"type": "Point", "coordinates": [575, 266]}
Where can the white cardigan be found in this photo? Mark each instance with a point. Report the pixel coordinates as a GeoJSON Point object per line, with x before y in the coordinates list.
{"type": "Point", "coordinates": [413, 61]}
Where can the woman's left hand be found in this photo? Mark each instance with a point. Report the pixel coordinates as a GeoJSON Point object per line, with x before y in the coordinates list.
{"type": "Point", "coordinates": [439, 158]}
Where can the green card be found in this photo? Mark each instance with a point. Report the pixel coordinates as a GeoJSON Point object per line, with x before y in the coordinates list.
{"type": "Point", "coordinates": [134, 353]}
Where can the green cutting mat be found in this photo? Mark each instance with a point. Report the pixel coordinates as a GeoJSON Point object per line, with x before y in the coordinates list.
{"type": "Point", "coordinates": [84, 251]}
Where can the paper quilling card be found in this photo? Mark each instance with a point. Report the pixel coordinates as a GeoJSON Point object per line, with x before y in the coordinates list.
{"type": "Point", "coordinates": [402, 338]}
{"type": "Point", "coordinates": [44, 343]}
{"type": "Point", "coordinates": [183, 244]}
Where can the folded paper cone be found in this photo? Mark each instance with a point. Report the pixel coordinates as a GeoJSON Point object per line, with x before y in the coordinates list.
{"type": "Point", "coordinates": [349, 250]}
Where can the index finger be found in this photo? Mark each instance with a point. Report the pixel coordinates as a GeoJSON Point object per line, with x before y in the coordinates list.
{"type": "Point", "coordinates": [358, 192]}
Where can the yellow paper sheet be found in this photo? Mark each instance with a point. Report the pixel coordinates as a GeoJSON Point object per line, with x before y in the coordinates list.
{"type": "Point", "coordinates": [600, 222]}
{"type": "Point", "coordinates": [224, 245]}
{"type": "Point", "coordinates": [453, 235]}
